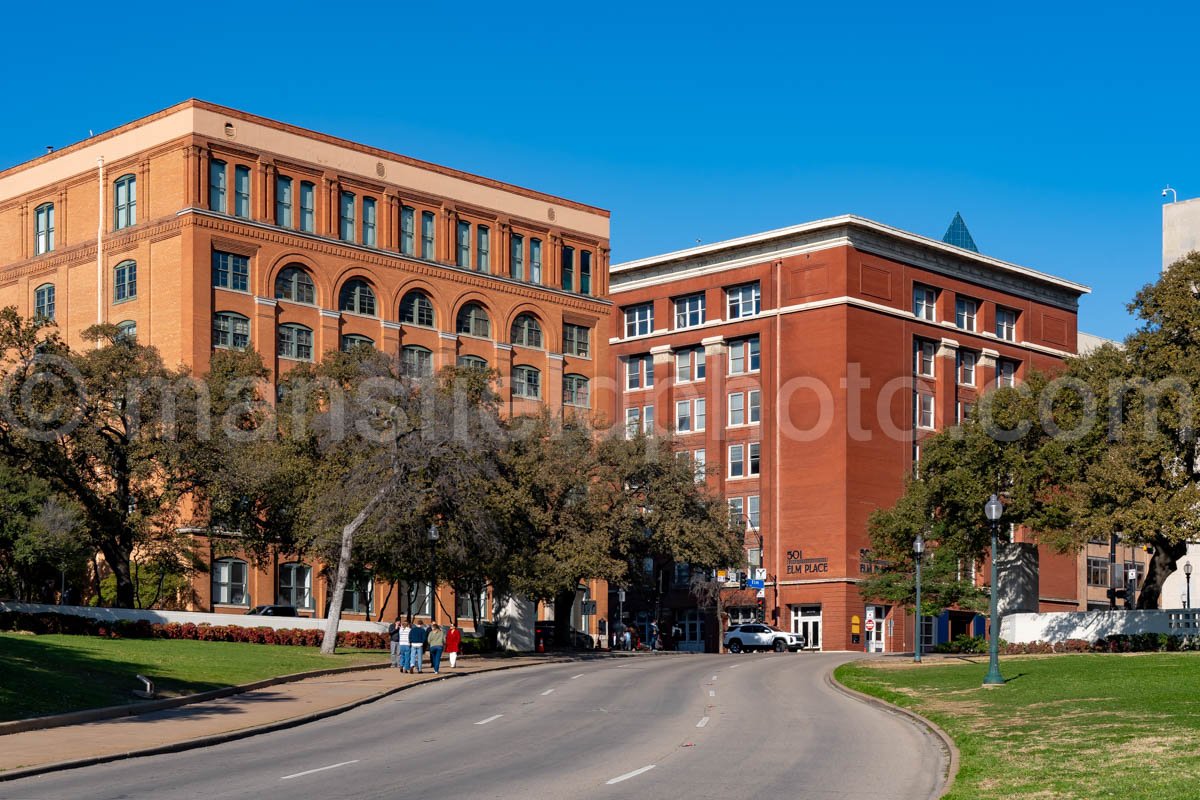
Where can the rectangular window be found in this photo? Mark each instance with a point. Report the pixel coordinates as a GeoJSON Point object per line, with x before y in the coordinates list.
{"type": "Point", "coordinates": [1006, 324]}
{"type": "Point", "coordinates": [368, 225]}
{"type": "Point", "coordinates": [535, 260]}
{"type": "Point", "coordinates": [753, 403]}
{"type": "Point", "coordinates": [964, 313]}
{"type": "Point", "coordinates": [737, 511]}
{"type": "Point", "coordinates": [1097, 571]}
{"type": "Point", "coordinates": [408, 233]}
{"type": "Point", "coordinates": [744, 356]}
{"type": "Point", "coordinates": [346, 216]}
{"type": "Point", "coordinates": [483, 249]}
{"type": "Point", "coordinates": [701, 411]}
{"type": "Point", "coordinates": [43, 229]}
{"type": "Point", "coordinates": [1006, 374]}
{"type": "Point", "coordinates": [744, 301]}
{"type": "Point", "coordinates": [639, 372]}
{"type": "Point", "coordinates": [648, 420]}
{"type": "Point", "coordinates": [125, 282]}
{"type": "Point", "coordinates": [216, 186]}
{"type": "Point", "coordinates": [683, 416]}
{"type": "Point", "coordinates": [308, 215]}
{"type": "Point", "coordinates": [962, 412]}
{"type": "Point", "coordinates": [925, 303]}
{"type": "Point", "coordinates": [585, 271]}
{"type": "Point", "coordinates": [575, 340]}
{"type": "Point", "coordinates": [924, 410]}
{"type": "Point", "coordinates": [231, 271]}
{"type": "Point", "coordinates": [639, 320]}
{"type": "Point", "coordinates": [689, 311]}
{"type": "Point", "coordinates": [463, 247]}
{"type": "Point", "coordinates": [737, 461]}
{"type": "Point", "coordinates": [752, 511]}
{"type": "Point", "coordinates": [241, 191]}
{"type": "Point", "coordinates": [683, 366]}
{"type": "Point", "coordinates": [966, 368]}
{"type": "Point", "coordinates": [755, 450]}
{"type": "Point", "coordinates": [568, 269]}
{"type": "Point", "coordinates": [737, 408]}
{"type": "Point", "coordinates": [633, 421]}
{"type": "Point", "coordinates": [43, 302]}
{"type": "Point", "coordinates": [125, 202]}
{"type": "Point", "coordinates": [699, 457]}
{"type": "Point", "coordinates": [924, 355]}
{"type": "Point", "coordinates": [283, 201]}
{"type": "Point", "coordinates": [516, 257]}
{"type": "Point", "coordinates": [427, 234]}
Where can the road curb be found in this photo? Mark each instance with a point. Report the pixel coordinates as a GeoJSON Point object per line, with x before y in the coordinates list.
{"type": "Point", "coordinates": [947, 743]}
{"type": "Point", "coordinates": [245, 733]}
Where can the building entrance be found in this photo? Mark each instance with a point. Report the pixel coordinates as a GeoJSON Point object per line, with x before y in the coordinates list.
{"type": "Point", "coordinates": [806, 620]}
{"type": "Point", "coordinates": [876, 642]}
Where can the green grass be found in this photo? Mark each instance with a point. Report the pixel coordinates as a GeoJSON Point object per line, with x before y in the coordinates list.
{"type": "Point", "coordinates": [1077, 726]}
{"type": "Point", "coordinates": [54, 674]}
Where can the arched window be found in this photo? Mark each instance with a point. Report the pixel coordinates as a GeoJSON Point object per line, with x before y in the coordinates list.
{"type": "Point", "coordinates": [526, 331]}
{"type": "Point", "coordinates": [231, 331]}
{"type": "Point", "coordinates": [295, 342]}
{"type": "Point", "coordinates": [575, 391]}
{"type": "Point", "coordinates": [353, 340]}
{"type": "Point", "coordinates": [416, 362]}
{"type": "Point", "coordinates": [417, 309]}
{"type": "Point", "coordinates": [474, 321]}
{"type": "Point", "coordinates": [295, 585]}
{"type": "Point", "coordinates": [124, 202]}
{"type": "Point", "coordinates": [472, 362]}
{"type": "Point", "coordinates": [229, 582]}
{"type": "Point", "coordinates": [357, 297]}
{"type": "Point", "coordinates": [295, 284]}
{"type": "Point", "coordinates": [527, 382]}
{"type": "Point", "coordinates": [127, 330]}
{"type": "Point", "coordinates": [43, 228]}
{"type": "Point", "coordinates": [125, 281]}
{"type": "Point", "coordinates": [43, 302]}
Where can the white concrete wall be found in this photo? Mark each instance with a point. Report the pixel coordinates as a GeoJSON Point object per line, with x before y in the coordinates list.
{"type": "Point", "coordinates": [515, 624]}
{"type": "Point", "coordinates": [1174, 590]}
{"type": "Point", "coordinates": [1092, 625]}
{"type": "Point", "coordinates": [164, 617]}
{"type": "Point", "coordinates": [1180, 230]}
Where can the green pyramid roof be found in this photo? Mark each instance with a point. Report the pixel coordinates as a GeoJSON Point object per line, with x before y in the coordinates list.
{"type": "Point", "coordinates": [958, 235]}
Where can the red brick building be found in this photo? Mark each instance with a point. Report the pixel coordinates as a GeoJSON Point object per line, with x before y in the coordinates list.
{"type": "Point", "coordinates": [801, 368]}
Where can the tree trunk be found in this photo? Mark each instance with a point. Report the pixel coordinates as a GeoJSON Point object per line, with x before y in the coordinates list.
{"type": "Point", "coordinates": [564, 602]}
{"type": "Point", "coordinates": [118, 562]}
{"type": "Point", "coordinates": [387, 598]}
{"type": "Point", "coordinates": [1162, 564]}
{"type": "Point", "coordinates": [342, 575]}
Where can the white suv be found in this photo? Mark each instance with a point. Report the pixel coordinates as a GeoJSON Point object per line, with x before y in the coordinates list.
{"type": "Point", "coordinates": [757, 636]}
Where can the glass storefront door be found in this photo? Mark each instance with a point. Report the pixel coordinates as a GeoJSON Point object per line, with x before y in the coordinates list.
{"type": "Point", "coordinates": [806, 620]}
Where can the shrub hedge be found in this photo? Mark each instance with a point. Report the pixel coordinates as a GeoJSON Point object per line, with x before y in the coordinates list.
{"type": "Point", "coordinates": [1119, 643]}
{"type": "Point", "coordinates": [141, 629]}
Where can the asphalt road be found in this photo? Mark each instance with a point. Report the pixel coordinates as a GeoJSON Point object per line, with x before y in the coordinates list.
{"type": "Point", "coordinates": [690, 727]}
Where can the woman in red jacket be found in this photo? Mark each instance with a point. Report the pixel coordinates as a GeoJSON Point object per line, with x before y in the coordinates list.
{"type": "Point", "coordinates": [453, 639]}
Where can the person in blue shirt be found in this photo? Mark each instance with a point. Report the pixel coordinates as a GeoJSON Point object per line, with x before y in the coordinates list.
{"type": "Point", "coordinates": [416, 644]}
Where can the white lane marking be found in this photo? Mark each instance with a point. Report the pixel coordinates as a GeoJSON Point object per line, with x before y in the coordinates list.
{"type": "Point", "coordinates": [712, 692]}
{"type": "Point", "coordinates": [580, 675]}
{"type": "Point", "coordinates": [318, 769]}
{"type": "Point", "coordinates": [548, 691]}
{"type": "Point", "coordinates": [735, 666]}
{"type": "Point", "coordinates": [489, 719]}
{"type": "Point", "coordinates": [629, 775]}
{"type": "Point", "coordinates": [703, 721]}
{"type": "Point", "coordinates": [714, 677]}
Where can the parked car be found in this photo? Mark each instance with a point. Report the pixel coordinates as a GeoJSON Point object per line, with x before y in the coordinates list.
{"type": "Point", "coordinates": [274, 611]}
{"type": "Point", "coordinates": [577, 639]}
{"type": "Point", "coordinates": [757, 636]}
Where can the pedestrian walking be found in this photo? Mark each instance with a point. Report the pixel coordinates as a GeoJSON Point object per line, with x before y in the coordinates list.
{"type": "Point", "coordinates": [416, 644]}
{"type": "Point", "coordinates": [437, 641]}
{"type": "Point", "coordinates": [453, 642]}
{"type": "Point", "coordinates": [626, 639]}
{"type": "Point", "coordinates": [394, 640]}
{"type": "Point", "coordinates": [402, 632]}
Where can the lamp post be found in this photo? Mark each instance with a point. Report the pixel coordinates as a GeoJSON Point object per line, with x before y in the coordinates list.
{"type": "Point", "coordinates": [433, 540]}
{"type": "Point", "coordinates": [918, 550]}
{"type": "Point", "coordinates": [1187, 576]}
{"type": "Point", "coordinates": [992, 510]}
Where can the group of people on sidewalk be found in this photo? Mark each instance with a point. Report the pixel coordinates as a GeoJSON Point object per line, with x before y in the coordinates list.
{"type": "Point", "coordinates": [409, 644]}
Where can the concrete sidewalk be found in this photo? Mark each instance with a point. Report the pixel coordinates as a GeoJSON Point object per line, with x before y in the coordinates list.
{"type": "Point", "coordinates": [210, 722]}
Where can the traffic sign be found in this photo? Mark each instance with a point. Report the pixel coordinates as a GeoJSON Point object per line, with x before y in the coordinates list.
{"type": "Point", "coordinates": [870, 613]}
{"type": "Point", "coordinates": [755, 583]}
{"type": "Point", "coordinates": [760, 573]}
{"type": "Point", "coordinates": [869, 624]}
{"type": "Point", "coordinates": [761, 593]}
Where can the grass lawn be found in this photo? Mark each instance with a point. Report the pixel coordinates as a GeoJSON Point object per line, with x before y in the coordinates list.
{"type": "Point", "coordinates": [1069, 726]}
{"type": "Point", "coordinates": [53, 674]}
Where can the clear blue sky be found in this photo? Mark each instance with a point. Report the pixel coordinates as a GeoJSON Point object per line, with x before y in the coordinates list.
{"type": "Point", "coordinates": [1052, 130]}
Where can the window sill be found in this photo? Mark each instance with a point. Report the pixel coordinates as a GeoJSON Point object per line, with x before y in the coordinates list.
{"type": "Point", "coordinates": [228, 289]}
{"type": "Point", "coordinates": [294, 358]}
{"type": "Point", "coordinates": [124, 300]}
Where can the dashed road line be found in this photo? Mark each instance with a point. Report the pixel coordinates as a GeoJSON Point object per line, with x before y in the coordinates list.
{"type": "Point", "coordinates": [580, 675]}
{"type": "Point", "coordinates": [712, 692]}
{"type": "Point", "coordinates": [703, 721]}
{"type": "Point", "coordinates": [489, 719]}
{"type": "Point", "coordinates": [548, 691]}
{"type": "Point", "coordinates": [318, 769]}
{"type": "Point", "coordinates": [629, 775]}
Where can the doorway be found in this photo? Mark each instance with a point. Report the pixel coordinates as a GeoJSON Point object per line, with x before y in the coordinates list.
{"type": "Point", "coordinates": [806, 620]}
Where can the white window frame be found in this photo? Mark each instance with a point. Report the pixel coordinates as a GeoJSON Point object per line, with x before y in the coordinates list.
{"type": "Point", "coordinates": [925, 302]}
{"type": "Point", "coordinates": [699, 413]}
{"type": "Point", "coordinates": [754, 406]}
{"type": "Point", "coordinates": [753, 459]}
{"type": "Point", "coordinates": [683, 416]}
{"type": "Point", "coordinates": [1006, 373]}
{"type": "Point", "coordinates": [639, 320]}
{"type": "Point", "coordinates": [966, 313]}
{"type": "Point", "coordinates": [924, 410]}
{"type": "Point", "coordinates": [633, 421]}
{"type": "Point", "coordinates": [699, 463]}
{"type": "Point", "coordinates": [754, 511]}
{"type": "Point", "coordinates": [967, 361]}
{"type": "Point", "coordinates": [925, 358]}
{"type": "Point", "coordinates": [648, 420]}
{"type": "Point", "coordinates": [738, 461]}
{"type": "Point", "coordinates": [639, 372]}
{"type": "Point", "coordinates": [689, 311]}
{"type": "Point", "coordinates": [1006, 324]}
{"type": "Point", "coordinates": [737, 408]}
{"type": "Point", "coordinates": [743, 301]}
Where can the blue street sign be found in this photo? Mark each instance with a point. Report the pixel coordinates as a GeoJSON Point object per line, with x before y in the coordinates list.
{"type": "Point", "coordinates": [755, 584]}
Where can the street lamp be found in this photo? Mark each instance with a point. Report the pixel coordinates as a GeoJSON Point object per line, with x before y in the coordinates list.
{"type": "Point", "coordinates": [433, 534]}
{"type": "Point", "coordinates": [918, 550]}
{"type": "Point", "coordinates": [1187, 576]}
{"type": "Point", "coordinates": [992, 510]}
